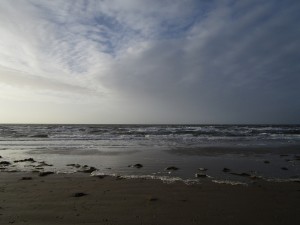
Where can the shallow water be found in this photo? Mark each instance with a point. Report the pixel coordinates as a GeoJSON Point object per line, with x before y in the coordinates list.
{"type": "Point", "coordinates": [112, 148]}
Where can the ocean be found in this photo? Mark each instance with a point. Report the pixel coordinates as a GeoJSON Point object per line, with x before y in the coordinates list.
{"type": "Point", "coordinates": [239, 153]}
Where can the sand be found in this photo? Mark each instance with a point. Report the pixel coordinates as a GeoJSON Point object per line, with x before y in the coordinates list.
{"type": "Point", "coordinates": [82, 199]}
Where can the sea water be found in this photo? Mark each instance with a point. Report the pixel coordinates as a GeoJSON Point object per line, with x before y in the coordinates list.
{"type": "Point", "coordinates": [269, 151]}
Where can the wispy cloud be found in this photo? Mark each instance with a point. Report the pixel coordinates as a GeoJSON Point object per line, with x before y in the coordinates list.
{"type": "Point", "coordinates": [189, 61]}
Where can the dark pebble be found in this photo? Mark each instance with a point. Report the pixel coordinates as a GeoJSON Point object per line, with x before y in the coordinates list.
{"type": "Point", "coordinates": [26, 178]}
{"type": "Point", "coordinates": [42, 174]}
{"type": "Point", "coordinates": [74, 165]}
{"type": "Point", "coordinates": [226, 170]}
{"type": "Point", "coordinates": [78, 194]}
{"type": "Point", "coordinates": [266, 162]}
{"type": "Point", "coordinates": [242, 174]}
{"type": "Point", "coordinates": [5, 163]}
{"type": "Point", "coordinates": [171, 168]}
{"type": "Point", "coordinates": [101, 176]}
{"type": "Point", "coordinates": [284, 168]}
{"type": "Point", "coordinates": [200, 175]}
{"type": "Point", "coordinates": [89, 170]}
{"type": "Point", "coordinates": [40, 136]}
{"type": "Point", "coordinates": [25, 160]}
{"type": "Point", "coordinates": [153, 199]}
{"type": "Point", "coordinates": [138, 165]}
{"type": "Point", "coordinates": [43, 163]}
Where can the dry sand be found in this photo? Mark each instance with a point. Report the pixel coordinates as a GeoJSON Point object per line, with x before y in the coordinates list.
{"type": "Point", "coordinates": [50, 200]}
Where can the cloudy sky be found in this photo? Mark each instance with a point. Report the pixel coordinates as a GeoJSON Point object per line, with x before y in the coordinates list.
{"type": "Point", "coordinates": [158, 61]}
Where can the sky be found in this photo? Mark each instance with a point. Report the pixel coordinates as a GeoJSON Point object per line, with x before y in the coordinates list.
{"type": "Point", "coordinates": [158, 61]}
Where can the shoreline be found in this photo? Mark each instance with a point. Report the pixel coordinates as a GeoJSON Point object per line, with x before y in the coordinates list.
{"type": "Point", "coordinates": [27, 198]}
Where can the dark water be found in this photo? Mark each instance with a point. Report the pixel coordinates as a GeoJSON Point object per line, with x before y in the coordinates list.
{"type": "Point", "coordinates": [111, 148]}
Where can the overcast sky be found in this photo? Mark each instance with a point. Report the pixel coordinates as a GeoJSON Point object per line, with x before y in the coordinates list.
{"type": "Point", "coordinates": [158, 61]}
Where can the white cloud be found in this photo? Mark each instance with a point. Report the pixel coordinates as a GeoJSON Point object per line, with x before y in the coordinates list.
{"type": "Point", "coordinates": [178, 60]}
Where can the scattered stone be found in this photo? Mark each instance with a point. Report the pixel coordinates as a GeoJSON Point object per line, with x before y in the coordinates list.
{"type": "Point", "coordinates": [171, 168]}
{"type": "Point", "coordinates": [226, 170]}
{"type": "Point", "coordinates": [138, 165]}
{"type": "Point", "coordinates": [43, 163]}
{"type": "Point", "coordinates": [74, 165]}
{"type": "Point", "coordinates": [202, 169]}
{"type": "Point", "coordinates": [89, 170]}
{"type": "Point", "coordinates": [153, 199]}
{"type": "Point", "coordinates": [40, 136]}
{"type": "Point", "coordinates": [101, 176]}
{"type": "Point", "coordinates": [284, 168]}
{"type": "Point", "coordinates": [266, 162]}
{"type": "Point", "coordinates": [200, 175]}
{"type": "Point", "coordinates": [5, 163]}
{"type": "Point", "coordinates": [242, 174]}
{"type": "Point", "coordinates": [26, 178]}
{"type": "Point", "coordinates": [78, 194]}
{"type": "Point", "coordinates": [46, 173]}
{"type": "Point", "coordinates": [25, 160]}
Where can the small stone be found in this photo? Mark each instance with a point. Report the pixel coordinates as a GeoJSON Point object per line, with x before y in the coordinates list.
{"type": "Point", "coordinates": [25, 160]}
{"type": "Point", "coordinates": [5, 163]}
{"type": "Point", "coordinates": [74, 165]}
{"type": "Point", "coordinates": [226, 170]}
{"type": "Point", "coordinates": [242, 174]}
{"type": "Point", "coordinates": [172, 168]}
{"type": "Point", "coordinates": [26, 178]}
{"type": "Point", "coordinates": [40, 136]}
{"type": "Point", "coordinates": [43, 163]}
{"type": "Point", "coordinates": [266, 162]}
{"type": "Point", "coordinates": [138, 165]}
{"type": "Point", "coordinates": [89, 170]}
{"type": "Point", "coordinates": [42, 174]}
{"type": "Point", "coordinates": [78, 194]}
{"type": "Point", "coordinates": [200, 175]}
{"type": "Point", "coordinates": [101, 176]}
{"type": "Point", "coordinates": [153, 199]}
{"type": "Point", "coordinates": [284, 168]}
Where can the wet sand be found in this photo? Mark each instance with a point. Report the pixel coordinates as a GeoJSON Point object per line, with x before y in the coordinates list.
{"type": "Point", "coordinates": [26, 198]}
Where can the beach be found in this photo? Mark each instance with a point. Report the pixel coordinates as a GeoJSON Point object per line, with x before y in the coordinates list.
{"type": "Point", "coordinates": [27, 198]}
{"type": "Point", "coordinates": [142, 174]}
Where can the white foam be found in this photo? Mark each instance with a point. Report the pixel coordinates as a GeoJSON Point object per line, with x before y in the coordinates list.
{"type": "Point", "coordinates": [164, 179]}
{"type": "Point", "coordinates": [230, 182]}
{"type": "Point", "coordinates": [279, 180]}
